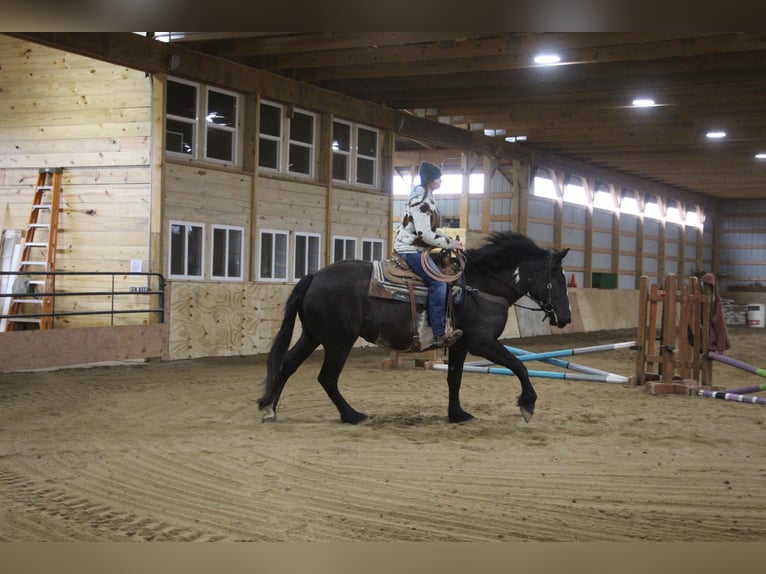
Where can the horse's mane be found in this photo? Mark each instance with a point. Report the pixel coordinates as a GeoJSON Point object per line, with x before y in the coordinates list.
{"type": "Point", "coordinates": [503, 249]}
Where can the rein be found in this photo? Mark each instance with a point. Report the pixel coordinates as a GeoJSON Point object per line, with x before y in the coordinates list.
{"type": "Point", "coordinates": [546, 307]}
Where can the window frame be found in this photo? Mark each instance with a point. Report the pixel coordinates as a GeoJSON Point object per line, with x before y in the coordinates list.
{"type": "Point", "coordinates": [345, 239]}
{"type": "Point", "coordinates": [200, 124]}
{"type": "Point", "coordinates": [216, 127]}
{"type": "Point", "coordinates": [274, 233]}
{"type": "Point", "coordinates": [290, 143]}
{"type": "Point", "coordinates": [243, 243]}
{"type": "Point", "coordinates": [186, 275]}
{"type": "Point", "coordinates": [269, 137]}
{"type": "Point", "coordinates": [353, 156]}
{"type": "Point", "coordinates": [308, 236]}
{"type": "Point", "coordinates": [375, 160]}
{"type": "Point", "coordinates": [285, 141]}
{"type": "Point", "coordinates": [182, 119]}
{"type": "Point", "coordinates": [373, 242]}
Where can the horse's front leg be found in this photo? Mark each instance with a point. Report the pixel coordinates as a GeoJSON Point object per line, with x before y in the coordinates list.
{"type": "Point", "coordinates": [497, 353]}
{"type": "Point", "coordinates": [457, 356]}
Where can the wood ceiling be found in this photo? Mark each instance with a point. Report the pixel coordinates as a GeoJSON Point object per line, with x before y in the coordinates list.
{"type": "Point", "coordinates": [579, 109]}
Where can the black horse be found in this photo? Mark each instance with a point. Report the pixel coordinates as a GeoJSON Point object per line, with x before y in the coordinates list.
{"type": "Point", "coordinates": [335, 309]}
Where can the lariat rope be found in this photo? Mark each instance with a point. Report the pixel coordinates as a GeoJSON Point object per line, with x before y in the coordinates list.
{"type": "Point", "coordinates": [435, 273]}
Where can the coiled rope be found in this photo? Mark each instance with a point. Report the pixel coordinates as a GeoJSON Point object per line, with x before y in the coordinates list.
{"type": "Point", "coordinates": [433, 271]}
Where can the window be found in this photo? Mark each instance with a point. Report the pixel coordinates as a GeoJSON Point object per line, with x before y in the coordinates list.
{"type": "Point", "coordinates": [273, 263]}
{"type": "Point", "coordinates": [297, 134]}
{"type": "Point", "coordinates": [187, 102]}
{"type": "Point", "coordinates": [629, 204]}
{"type": "Point", "coordinates": [270, 137]}
{"type": "Point", "coordinates": [603, 199]}
{"type": "Point", "coordinates": [227, 260]}
{"type": "Point", "coordinates": [301, 144]}
{"type": "Point", "coordinates": [372, 249]}
{"type": "Point", "coordinates": [187, 242]}
{"type": "Point", "coordinates": [574, 192]}
{"type": "Point", "coordinates": [366, 156]}
{"type": "Point", "coordinates": [341, 150]}
{"type": "Point", "coordinates": [542, 186]}
{"type": "Point", "coordinates": [355, 151]}
{"type": "Point", "coordinates": [307, 250]}
{"type": "Point", "coordinates": [221, 122]}
{"type": "Point", "coordinates": [343, 248]}
{"type": "Point", "coordinates": [181, 118]}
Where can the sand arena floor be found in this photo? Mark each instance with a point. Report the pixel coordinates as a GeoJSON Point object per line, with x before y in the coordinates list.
{"type": "Point", "coordinates": [176, 451]}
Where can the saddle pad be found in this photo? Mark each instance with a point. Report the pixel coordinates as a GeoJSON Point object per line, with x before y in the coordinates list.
{"type": "Point", "coordinates": [384, 289]}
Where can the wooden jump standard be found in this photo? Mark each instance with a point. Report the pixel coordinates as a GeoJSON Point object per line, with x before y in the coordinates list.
{"type": "Point", "coordinates": [672, 337]}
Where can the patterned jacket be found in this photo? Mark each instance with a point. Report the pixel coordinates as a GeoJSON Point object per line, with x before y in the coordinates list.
{"type": "Point", "coordinates": [417, 230]}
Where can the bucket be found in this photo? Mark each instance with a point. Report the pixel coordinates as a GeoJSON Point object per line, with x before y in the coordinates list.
{"type": "Point", "coordinates": [756, 315]}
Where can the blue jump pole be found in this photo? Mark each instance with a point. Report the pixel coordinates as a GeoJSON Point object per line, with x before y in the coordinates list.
{"type": "Point", "coordinates": [600, 378]}
{"type": "Point", "coordinates": [580, 351]}
{"type": "Point", "coordinates": [523, 355]}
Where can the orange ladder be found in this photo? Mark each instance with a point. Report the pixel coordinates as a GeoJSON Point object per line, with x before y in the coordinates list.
{"type": "Point", "coordinates": [39, 254]}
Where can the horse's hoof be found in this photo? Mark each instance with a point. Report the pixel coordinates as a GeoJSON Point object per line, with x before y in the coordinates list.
{"type": "Point", "coordinates": [463, 417]}
{"type": "Point", "coordinates": [355, 419]}
{"type": "Point", "coordinates": [269, 417]}
{"type": "Point", "coordinates": [527, 415]}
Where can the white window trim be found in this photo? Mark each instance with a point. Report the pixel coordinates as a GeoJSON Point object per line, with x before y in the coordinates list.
{"type": "Point", "coordinates": [353, 156]}
{"type": "Point", "coordinates": [199, 153]}
{"type": "Point", "coordinates": [285, 142]}
{"type": "Point", "coordinates": [235, 130]}
{"type": "Point", "coordinates": [274, 232]}
{"type": "Point", "coordinates": [291, 142]}
{"type": "Point", "coordinates": [193, 122]}
{"type": "Point", "coordinates": [270, 137]}
{"type": "Point", "coordinates": [171, 223]}
{"type": "Point", "coordinates": [348, 154]}
{"type": "Point", "coordinates": [372, 241]}
{"type": "Point", "coordinates": [305, 234]}
{"type": "Point", "coordinates": [227, 228]}
{"type": "Point", "coordinates": [344, 238]}
{"type": "Point", "coordinates": [375, 160]}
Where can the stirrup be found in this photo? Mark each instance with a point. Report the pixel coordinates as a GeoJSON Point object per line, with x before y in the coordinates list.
{"type": "Point", "coordinates": [448, 340]}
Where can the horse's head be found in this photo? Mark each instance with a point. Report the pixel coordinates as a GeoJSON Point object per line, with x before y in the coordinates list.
{"type": "Point", "coordinates": [548, 286]}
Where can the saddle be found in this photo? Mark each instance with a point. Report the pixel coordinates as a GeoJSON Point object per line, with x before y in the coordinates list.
{"type": "Point", "coordinates": [394, 279]}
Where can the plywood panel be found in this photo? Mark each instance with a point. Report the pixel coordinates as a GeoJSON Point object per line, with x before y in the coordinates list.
{"type": "Point", "coordinates": [221, 319]}
{"type": "Point", "coordinates": [56, 348]}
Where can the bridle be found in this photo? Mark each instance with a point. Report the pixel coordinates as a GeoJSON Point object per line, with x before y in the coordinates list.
{"type": "Point", "coordinates": [546, 307]}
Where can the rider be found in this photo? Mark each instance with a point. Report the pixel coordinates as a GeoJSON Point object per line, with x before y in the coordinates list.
{"type": "Point", "coordinates": [417, 233]}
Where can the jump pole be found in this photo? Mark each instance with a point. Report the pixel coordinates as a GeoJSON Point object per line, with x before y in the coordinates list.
{"type": "Point", "coordinates": [580, 351]}
{"type": "Point", "coordinates": [738, 364]}
{"type": "Point", "coordinates": [523, 356]}
{"type": "Point", "coordinates": [727, 396]}
{"type": "Point", "coordinates": [607, 378]}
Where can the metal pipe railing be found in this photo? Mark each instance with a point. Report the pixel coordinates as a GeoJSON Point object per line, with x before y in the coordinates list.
{"type": "Point", "coordinates": [113, 294]}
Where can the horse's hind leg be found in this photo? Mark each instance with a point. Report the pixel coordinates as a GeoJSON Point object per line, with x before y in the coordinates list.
{"type": "Point", "coordinates": [335, 359]}
{"type": "Point", "coordinates": [294, 358]}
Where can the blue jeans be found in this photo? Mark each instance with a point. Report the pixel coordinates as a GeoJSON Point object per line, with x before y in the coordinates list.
{"type": "Point", "coordinates": [437, 294]}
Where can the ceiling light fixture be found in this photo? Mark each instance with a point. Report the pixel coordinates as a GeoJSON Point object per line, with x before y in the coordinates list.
{"type": "Point", "coordinates": [547, 59]}
{"type": "Point", "coordinates": [643, 102]}
{"type": "Point", "coordinates": [761, 155]}
{"type": "Point", "coordinates": [716, 135]}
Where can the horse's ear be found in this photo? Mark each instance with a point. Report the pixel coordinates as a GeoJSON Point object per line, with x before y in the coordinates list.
{"type": "Point", "coordinates": [562, 254]}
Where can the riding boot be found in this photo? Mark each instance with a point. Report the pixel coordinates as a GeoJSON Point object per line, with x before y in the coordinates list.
{"type": "Point", "coordinates": [447, 340]}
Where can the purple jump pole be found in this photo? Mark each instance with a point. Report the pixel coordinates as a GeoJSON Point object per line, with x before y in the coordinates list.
{"type": "Point", "coordinates": [736, 363]}
{"type": "Point", "coordinates": [732, 397]}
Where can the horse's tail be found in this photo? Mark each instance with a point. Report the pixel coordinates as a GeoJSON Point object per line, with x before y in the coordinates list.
{"type": "Point", "coordinates": [281, 342]}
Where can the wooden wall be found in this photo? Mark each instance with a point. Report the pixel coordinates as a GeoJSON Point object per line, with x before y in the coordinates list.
{"type": "Point", "coordinates": [94, 120]}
